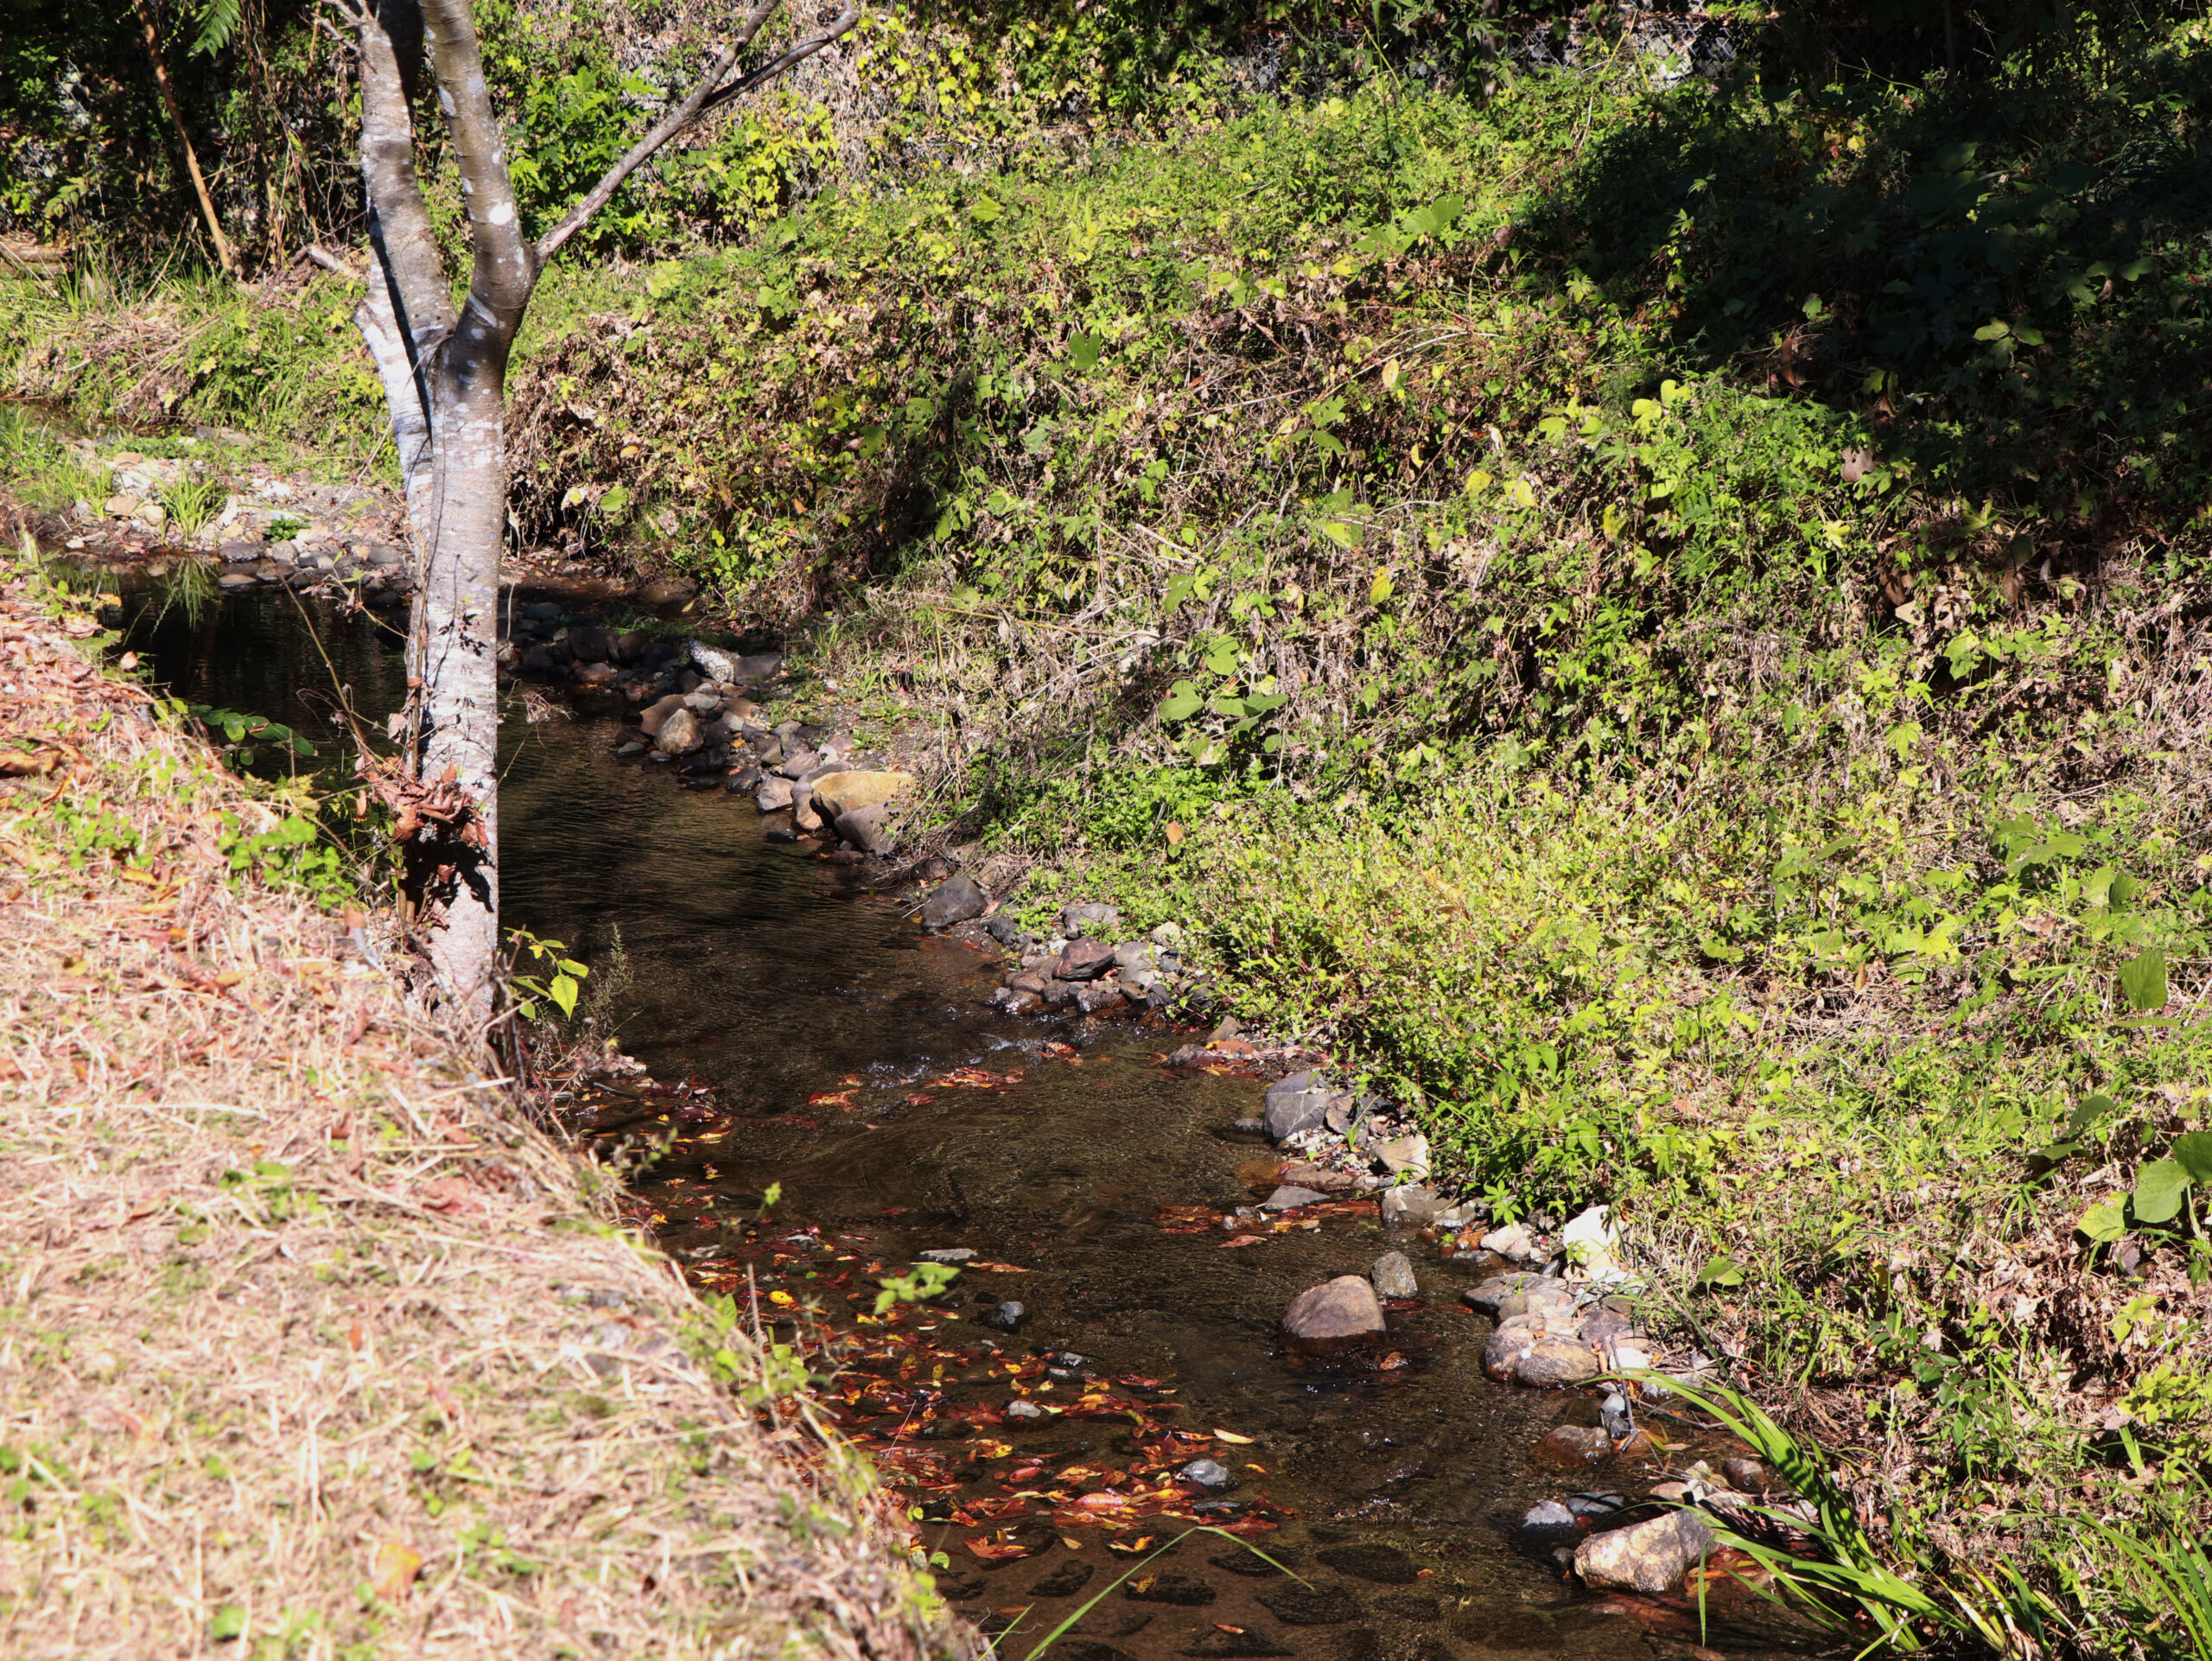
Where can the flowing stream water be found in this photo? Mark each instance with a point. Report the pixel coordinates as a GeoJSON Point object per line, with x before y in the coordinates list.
{"type": "Point", "coordinates": [765, 978]}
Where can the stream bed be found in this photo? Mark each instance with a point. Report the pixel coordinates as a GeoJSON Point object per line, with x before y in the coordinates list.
{"type": "Point", "coordinates": [808, 1035]}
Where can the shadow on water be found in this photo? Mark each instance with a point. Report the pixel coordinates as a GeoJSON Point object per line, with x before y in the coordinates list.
{"type": "Point", "coordinates": [766, 976]}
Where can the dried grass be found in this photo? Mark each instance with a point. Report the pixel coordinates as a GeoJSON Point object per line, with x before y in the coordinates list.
{"type": "Point", "coordinates": [308, 1347]}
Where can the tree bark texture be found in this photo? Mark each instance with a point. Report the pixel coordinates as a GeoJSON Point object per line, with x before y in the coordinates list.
{"type": "Point", "coordinates": [444, 377]}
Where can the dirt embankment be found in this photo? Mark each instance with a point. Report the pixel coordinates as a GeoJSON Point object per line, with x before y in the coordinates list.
{"type": "Point", "coordinates": [307, 1343]}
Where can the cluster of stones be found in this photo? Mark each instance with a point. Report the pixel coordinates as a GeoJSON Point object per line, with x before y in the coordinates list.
{"type": "Point", "coordinates": [1087, 968]}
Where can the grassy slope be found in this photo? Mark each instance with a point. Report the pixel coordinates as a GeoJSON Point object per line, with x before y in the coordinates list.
{"type": "Point", "coordinates": [1689, 665]}
{"type": "Point", "coordinates": [309, 1346]}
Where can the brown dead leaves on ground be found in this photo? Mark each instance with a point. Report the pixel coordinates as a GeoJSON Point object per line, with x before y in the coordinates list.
{"type": "Point", "coordinates": [307, 1344]}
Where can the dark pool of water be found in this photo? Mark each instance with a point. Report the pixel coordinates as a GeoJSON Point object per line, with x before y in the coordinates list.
{"type": "Point", "coordinates": [771, 977]}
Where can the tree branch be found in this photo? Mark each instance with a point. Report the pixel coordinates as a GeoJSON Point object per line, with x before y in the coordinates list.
{"type": "Point", "coordinates": [710, 94]}
{"type": "Point", "coordinates": [500, 286]}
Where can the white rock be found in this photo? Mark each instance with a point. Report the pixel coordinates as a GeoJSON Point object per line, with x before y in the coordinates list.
{"type": "Point", "coordinates": [1592, 1247]}
{"type": "Point", "coordinates": [1404, 1156]}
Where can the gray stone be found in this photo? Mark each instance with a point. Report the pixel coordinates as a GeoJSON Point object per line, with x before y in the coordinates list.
{"type": "Point", "coordinates": [948, 1255]}
{"type": "Point", "coordinates": [1207, 1473]}
{"type": "Point", "coordinates": [796, 764]}
{"type": "Point", "coordinates": [1083, 960]}
{"type": "Point", "coordinates": [1415, 1203]}
{"type": "Point", "coordinates": [1487, 1296]}
{"type": "Point", "coordinates": [1135, 958]}
{"type": "Point", "coordinates": [1098, 997]}
{"type": "Point", "coordinates": [1298, 1103]}
{"type": "Point", "coordinates": [1393, 1276]}
{"type": "Point", "coordinates": [1549, 1523]}
{"type": "Point", "coordinates": [1024, 1410]}
{"type": "Point", "coordinates": [1005, 1317]}
{"type": "Point", "coordinates": [774, 793]}
{"type": "Point", "coordinates": [678, 734]}
{"type": "Point", "coordinates": [955, 901]}
{"type": "Point", "coordinates": [717, 665]}
{"type": "Point", "coordinates": [864, 827]}
{"type": "Point", "coordinates": [1337, 1313]}
{"type": "Point", "coordinates": [1287, 1199]}
{"type": "Point", "coordinates": [1649, 1557]}
{"type": "Point", "coordinates": [1089, 919]}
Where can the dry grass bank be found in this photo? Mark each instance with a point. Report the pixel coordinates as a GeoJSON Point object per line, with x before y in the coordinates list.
{"type": "Point", "coordinates": [307, 1347]}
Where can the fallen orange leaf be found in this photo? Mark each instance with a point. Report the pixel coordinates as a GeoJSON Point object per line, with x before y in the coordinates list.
{"type": "Point", "coordinates": [394, 1570]}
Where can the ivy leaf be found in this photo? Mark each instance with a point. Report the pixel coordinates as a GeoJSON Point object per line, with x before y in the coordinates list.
{"type": "Point", "coordinates": [1082, 351]}
{"type": "Point", "coordinates": [2143, 983]}
{"type": "Point", "coordinates": [2158, 1189]}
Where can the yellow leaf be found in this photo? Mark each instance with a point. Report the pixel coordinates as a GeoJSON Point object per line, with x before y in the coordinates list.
{"type": "Point", "coordinates": [1231, 1436]}
{"type": "Point", "coordinates": [394, 1570]}
{"type": "Point", "coordinates": [1390, 375]}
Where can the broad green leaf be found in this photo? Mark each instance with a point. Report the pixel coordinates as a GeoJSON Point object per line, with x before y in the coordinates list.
{"type": "Point", "coordinates": [1182, 703]}
{"type": "Point", "coordinates": [2142, 982]}
{"type": "Point", "coordinates": [2103, 1222]}
{"type": "Point", "coordinates": [615, 500]}
{"type": "Point", "coordinates": [1082, 351]}
{"type": "Point", "coordinates": [2193, 1152]}
{"type": "Point", "coordinates": [2093, 1112]}
{"type": "Point", "coordinates": [984, 211]}
{"type": "Point", "coordinates": [2158, 1189]}
{"type": "Point", "coordinates": [1720, 1271]}
{"type": "Point", "coordinates": [1996, 330]}
{"type": "Point", "coordinates": [1380, 589]}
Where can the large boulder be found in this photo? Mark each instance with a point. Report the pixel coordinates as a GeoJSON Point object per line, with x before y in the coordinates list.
{"type": "Point", "coordinates": [1649, 1557]}
{"type": "Point", "coordinates": [1298, 1103]}
{"type": "Point", "coordinates": [841, 793]}
{"type": "Point", "coordinates": [1336, 1314]}
{"type": "Point", "coordinates": [955, 901]}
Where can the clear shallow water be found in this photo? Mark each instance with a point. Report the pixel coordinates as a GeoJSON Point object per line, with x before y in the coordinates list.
{"type": "Point", "coordinates": [771, 977]}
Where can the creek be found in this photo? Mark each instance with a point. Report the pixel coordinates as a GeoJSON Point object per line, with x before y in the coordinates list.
{"type": "Point", "coordinates": [757, 977]}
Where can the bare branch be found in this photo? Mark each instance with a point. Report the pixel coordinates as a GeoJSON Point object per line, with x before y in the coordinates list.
{"type": "Point", "coordinates": [316, 254]}
{"type": "Point", "coordinates": [841, 26]}
{"type": "Point", "coordinates": [710, 94]}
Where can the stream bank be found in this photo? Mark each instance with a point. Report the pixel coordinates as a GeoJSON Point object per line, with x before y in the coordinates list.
{"type": "Point", "coordinates": [312, 1346]}
{"type": "Point", "coordinates": [811, 1040]}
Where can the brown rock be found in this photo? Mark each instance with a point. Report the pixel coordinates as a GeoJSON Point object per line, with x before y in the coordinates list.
{"type": "Point", "coordinates": [594, 677]}
{"type": "Point", "coordinates": [1650, 1558]}
{"type": "Point", "coordinates": [774, 794]}
{"type": "Point", "coordinates": [658, 713]}
{"type": "Point", "coordinates": [1552, 1363]}
{"type": "Point", "coordinates": [1083, 960]}
{"type": "Point", "coordinates": [1334, 1314]}
{"type": "Point", "coordinates": [1098, 997]}
{"type": "Point", "coordinates": [1572, 1447]}
{"type": "Point", "coordinates": [842, 793]}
